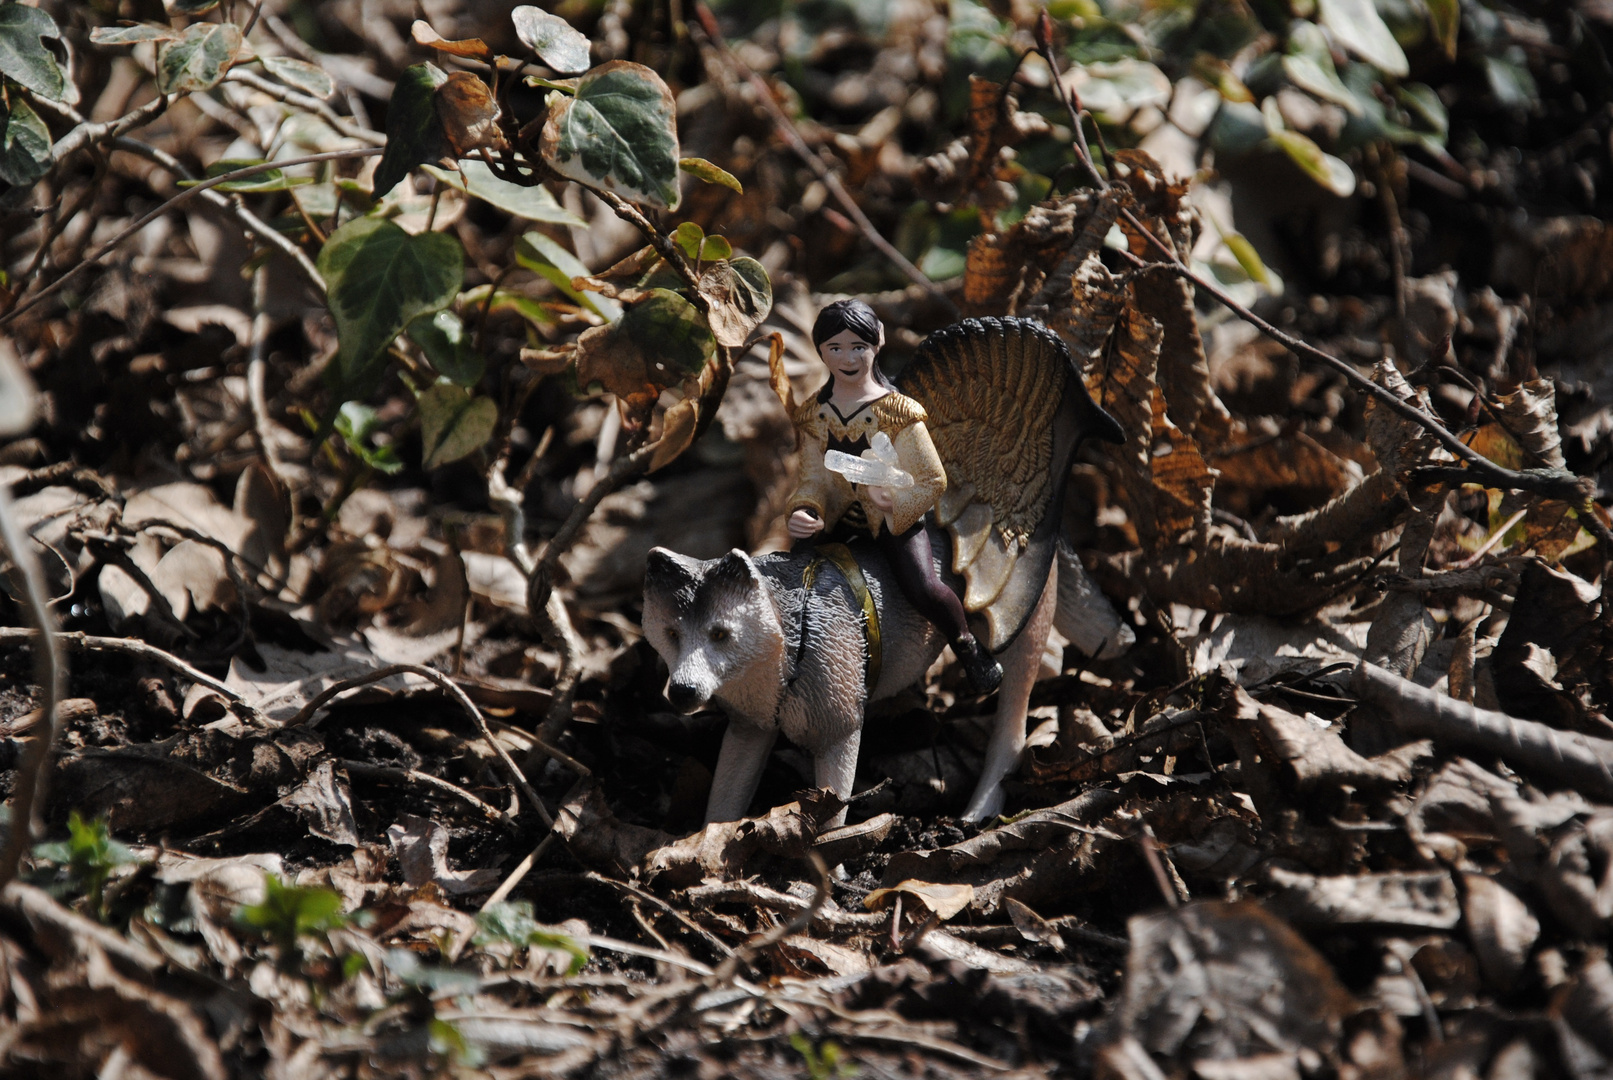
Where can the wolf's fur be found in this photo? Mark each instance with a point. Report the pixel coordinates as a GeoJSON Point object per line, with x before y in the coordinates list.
{"type": "Point", "coordinates": [767, 682]}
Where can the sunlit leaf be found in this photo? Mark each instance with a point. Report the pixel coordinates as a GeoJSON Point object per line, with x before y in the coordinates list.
{"type": "Point", "coordinates": [1324, 168]}
{"type": "Point", "coordinates": [739, 296]}
{"type": "Point", "coordinates": [23, 55]}
{"type": "Point", "coordinates": [1309, 66]}
{"type": "Point", "coordinates": [198, 59]}
{"type": "Point", "coordinates": [380, 279]}
{"type": "Point", "coordinates": [355, 423]}
{"type": "Point", "coordinates": [659, 341]}
{"type": "Point", "coordinates": [1248, 258]}
{"type": "Point", "coordinates": [131, 35]}
{"type": "Point", "coordinates": [711, 174]}
{"type": "Point", "coordinates": [1361, 30]}
{"type": "Point", "coordinates": [556, 42]}
{"type": "Point", "coordinates": [470, 48]}
{"type": "Point", "coordinates": [24, 145]}
{"type": "Point", "coordinates": [543, 255]}
{"type": "Point", "coordinates": [272, 180]}
{"type": "Point", "coordinates": [453, 424]}
{"type": "Point", "coordinates": [447, 346]}
{"type": "Point", "coordinates": [617, 134]}
{"type": "Point", "coordinates": [414, 135]}
{"type": "Point", "coordinates": [1511, 83]}
{"type": "Point", "coordinates": [532, 203]}
{"type": "Point", "coordinates": [533, 311]}
{"type": "Point", "coordinates": [688, 237]}
{"type": "Point", "coordinates": [468, 114]}
{"type": "Point", "coordinates": [1217, 73]}
{"type": "Point", "coordinates": [715, 247]}
{"type": "Point", "coordinates": [301, 75]}
{"type": "Point", "coordinates": [1118, 88]}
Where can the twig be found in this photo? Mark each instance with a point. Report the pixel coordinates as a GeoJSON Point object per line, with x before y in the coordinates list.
{"type": "Point", "coordinates": [309, 102]}
{"type": "Point", "coordinates": [87, 133]}
{"type": "Point", "coordinates": [507, 886]}
{"type": "Point", "coordinates": [415, 776]}
{"type": "Point", "coordinates": [49, 673]}
{"type": "Point", "coordinates": [786, 130]}
{"type": "Point", "coordinates": [1580, 760]}
{"type": "Point", "coordinates": [655, 901]}
{"type": "Point", "coordinates": [172, 204]}
{"type": "Point", "coordinates": [454, 691]}
{"type": "Point", "coordinates": [74, 639]}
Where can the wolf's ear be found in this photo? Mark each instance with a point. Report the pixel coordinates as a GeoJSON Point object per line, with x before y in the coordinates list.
{"type": "Point", "coordinates": [668, 572]}
{"type": "Point", "coordinates": [735, 571]}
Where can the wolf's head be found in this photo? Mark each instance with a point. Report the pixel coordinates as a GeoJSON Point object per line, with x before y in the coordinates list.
{"type": "Point", "coordinates": [716, 627]}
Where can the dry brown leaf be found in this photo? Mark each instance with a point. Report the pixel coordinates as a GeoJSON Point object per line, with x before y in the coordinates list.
{"type": "Point", "coordinates": [468, 114]}
{"type": "Point", "coordinates": [721, 849]}
{"type": "Point", "coordinates": [1312, 754]}
{"type": "Point", "coordinates": [943, 900]}
{"type": "Point", "coordinates": [470, 48]}
{"type": "Point", "coordinates": [1501, 927]}
{"type": "Point", "coordinates": [1424, 898]}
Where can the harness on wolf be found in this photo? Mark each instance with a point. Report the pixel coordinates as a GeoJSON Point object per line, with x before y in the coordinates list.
{"type": "Point", "coordinates": [846, 563]}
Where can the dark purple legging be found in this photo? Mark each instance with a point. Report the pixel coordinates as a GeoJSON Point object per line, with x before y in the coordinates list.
{"type": "Point", "coordinates": [909, 557]}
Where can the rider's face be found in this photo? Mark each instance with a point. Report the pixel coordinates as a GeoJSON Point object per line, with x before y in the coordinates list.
{"type": "Point", "coordinates": [848, 356]}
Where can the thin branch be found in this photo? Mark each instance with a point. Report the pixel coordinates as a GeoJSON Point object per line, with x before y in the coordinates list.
{"type": "Point", "coordinates": [87, 133]}
{"type": "Point", "coordinates": [786, 130]}
{"type": "Point", "coordinates": [506, 887]}
{"type": "Point", "coordinates": [49, 673]}
{"type": "Point", "coordinates": [366, 771]}
{"type": "Point", "coordinates": [172, 204]}
{"type": "Point", "coordinates": [453, 690]}
{"type": "Point", "coordinates": [308, 102]}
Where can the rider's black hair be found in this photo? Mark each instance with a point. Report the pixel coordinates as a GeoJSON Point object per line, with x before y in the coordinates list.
{"type": "Point", "coordinates": [859, 318]}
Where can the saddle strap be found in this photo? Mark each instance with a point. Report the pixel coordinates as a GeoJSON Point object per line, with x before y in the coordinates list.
{"type": "Point", "coordinates": [846, 563]}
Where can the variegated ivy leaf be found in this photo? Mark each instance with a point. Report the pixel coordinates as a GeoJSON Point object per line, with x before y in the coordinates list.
{"type": "Point", "coordinates": [617, 134]}
{"type": "Point", "coordinates": [557, 44]}
{"type": "Point", "coordinates": [23, 56]}
{"type": "Point", "coordinates": [24, 144]}
{"type": "Point", "coordinates": [133, 34]}
{"type": "Point", "coordinates": [301, 75]}
{"type": "Point", "coordinates": [198, 59]}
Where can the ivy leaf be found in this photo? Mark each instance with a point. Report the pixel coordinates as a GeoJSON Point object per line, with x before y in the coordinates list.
{"type": "Point", "coordinates": [198, 59]}
{"type": "Point", "coordinates": [444, 341]}
{"type": "Point", "coordinates": [658, 342]}
{"type": "Point", "coordinates": [468, 114]}
{"type": "Point", "coordinates": [470, 48]}
{"type": "Point", "coordinates": [555, 41]}
{"type": "Point", "coordinates": [380, 280]}
{"type": "Point", "coordinates": [301, 75]}
{"type": "Point", "coordinates": [1309, 66]}
{"type": "Point", "coordinates": [542, 255]}
{"type": "Point", "coordinates": [453, 424]}
{"type": "Point", "coordinates": [413, 132]}
{"type": "Point", "coordinates": [132, 34]}
{"type": "Point", "coordinates": [355, 423]}
{"type": "Point", "coordinates": [688, 236]}
{"type": "Point", "coordinates": [24, 145]}
{"type": "Point", "coordinates": [532, 203]}
{"type": "Point", "coordinates": [1324, 168]}
{"type": "Point", "coordinates": [702, 169]}
{"type": "Point", "coordinates": [273, 180]}
{"type": "Point", "coordinates": [23, 56]}
{"type": "Point", "coordinates": [617, 134]}
{"type": "Point", "coordinates": [1361, 30]}
{"type": "Point", "coordinates": [739, 296]}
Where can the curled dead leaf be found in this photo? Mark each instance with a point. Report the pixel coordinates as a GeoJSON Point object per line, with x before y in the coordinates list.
{"type": "Point", "coordinates": [468, 113]}
{"type": "Point", "coordinates": [942, 899]}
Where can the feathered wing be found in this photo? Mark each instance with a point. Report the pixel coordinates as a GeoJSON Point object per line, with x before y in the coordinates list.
{"type": "Point", "coordinates": [1006, 410]}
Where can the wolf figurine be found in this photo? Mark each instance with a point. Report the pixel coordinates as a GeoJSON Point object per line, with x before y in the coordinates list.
{"type": "Point", "coordinates": [800, 642]}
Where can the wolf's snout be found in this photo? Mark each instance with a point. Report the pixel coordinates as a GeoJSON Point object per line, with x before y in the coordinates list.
{"type": "Point", "coordinates": [684, 697]}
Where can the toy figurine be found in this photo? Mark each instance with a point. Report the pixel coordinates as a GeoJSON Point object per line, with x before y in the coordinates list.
{"type": "Point", "coordinates": [991, 413]}
{"type": "Point", "coordinates": [856, 406]}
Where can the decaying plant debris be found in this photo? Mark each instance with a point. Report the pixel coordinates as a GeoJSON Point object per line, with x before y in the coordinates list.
{"type": "Point", "coordinates": [362, 769]}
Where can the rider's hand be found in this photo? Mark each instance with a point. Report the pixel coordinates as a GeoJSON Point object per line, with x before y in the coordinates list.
{"type": "Point", "coordinates": [803, 525]}
{"type": "Point", "coordinates": [882, 497]}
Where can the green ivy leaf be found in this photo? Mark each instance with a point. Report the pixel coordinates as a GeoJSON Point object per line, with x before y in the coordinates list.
{"type": "Point", "coordinates": [617, 134]}
{"type": "Point", "coordinates": [453, 424]}
{"type": "Point", "coordinates": [667, 326]}
{"type": "Point", "coordinates": [1324, 168]}
{"type": "Point", "coordinates": [444, 341]}
{"type": "Point", "coordinates": [131, 35]}
{"type": "Point", "coordinates": [355, 423]}
{"type": "Point", "coordinates": [198, 59]}
{"type": "Point", "coordinates": [555, 41]}
{"type": "Point", "coordinates": [542, 255]}
{"type": "Point", "coordinates": [24, 145]}
{"type": "Point", "coordinates": [1309, 66]}
{"type": "Point", "coordinates": [380, 279]}
{"type": "Point", "coordinates": [716, 247]}
{"type": "Point", "coordinates": [688, 236]}
{"type": "Point", "coordinates": [532, 203]}
{"type": "Point", "coordinates": [1361, 30]}
{"type": "Point", "coordinates": [413, 133]}
{"type": "Point", "coordinates": [23, 56]}
{"type": "Point", "coordinates": [273, 180]}
{"type": "Point", "coordinates": [300, 74]}
{"type": "Point", "coordinates": [702, 169]}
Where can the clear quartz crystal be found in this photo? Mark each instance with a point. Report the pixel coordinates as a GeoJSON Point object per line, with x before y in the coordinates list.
{"type": "Point", "coordinates": [876, 467]}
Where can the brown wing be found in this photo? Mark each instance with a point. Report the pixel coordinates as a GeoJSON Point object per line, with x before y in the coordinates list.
{"type": "Point", "coordinates": [1006, 412]}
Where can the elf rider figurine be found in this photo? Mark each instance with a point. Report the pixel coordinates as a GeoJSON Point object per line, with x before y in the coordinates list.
{"type": "Point", "coordinates": [857, 402]}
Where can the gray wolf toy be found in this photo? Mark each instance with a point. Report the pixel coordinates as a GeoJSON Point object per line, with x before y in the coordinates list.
{"type": "Point", "coordinates": [799, 642]}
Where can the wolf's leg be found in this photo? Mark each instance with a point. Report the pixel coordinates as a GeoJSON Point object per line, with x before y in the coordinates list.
{"type": "Point", "coordinates": [836, 769]}
{"type": "Point", "coordinates": [1020, 664]}
{"type": "Point", "coordinates": [739, 769]}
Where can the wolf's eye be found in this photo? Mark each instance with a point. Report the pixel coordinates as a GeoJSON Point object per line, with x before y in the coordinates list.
{"type": "Point", "coordinates": [672, 634]}
{"type": "Point", "coordinates": [719, 634]}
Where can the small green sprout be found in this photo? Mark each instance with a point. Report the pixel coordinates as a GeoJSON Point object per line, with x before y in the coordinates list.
{"type": "Point", "coordinates": [89, 855]}
{"type": "Point", "coordinates": [513, 923]}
